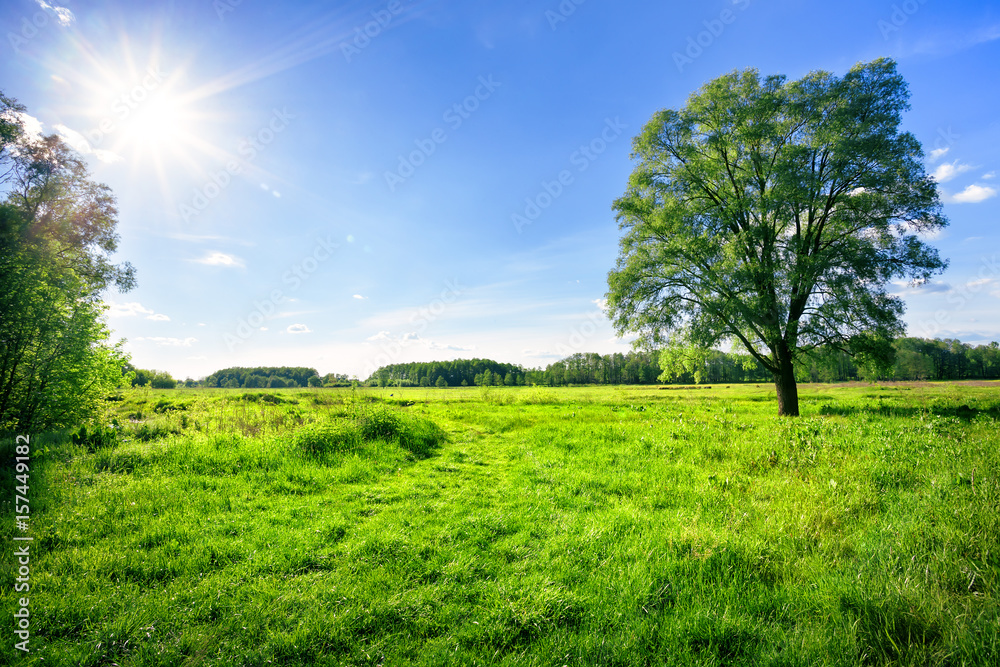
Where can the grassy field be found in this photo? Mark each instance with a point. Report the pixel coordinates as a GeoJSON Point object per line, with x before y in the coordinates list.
{"type": "Point", "coordinates": [528, 526]}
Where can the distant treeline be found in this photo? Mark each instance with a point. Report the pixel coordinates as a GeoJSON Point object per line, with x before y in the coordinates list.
{"type": "Point", "coordinates": [269, 377]}
{"type": "Point", "coordinates": [949, 359]}
{"type": "Point", "coordinates": [458, 373]}
{"type": "Point", "coordinates": [581, 368]}
{"type": "Point", "coordinates": [916, 359]}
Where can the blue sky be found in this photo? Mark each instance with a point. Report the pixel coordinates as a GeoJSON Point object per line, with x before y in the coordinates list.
{"type": "Point", "coordinates": [343, 185]}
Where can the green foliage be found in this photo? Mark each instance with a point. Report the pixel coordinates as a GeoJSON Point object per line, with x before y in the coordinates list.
{"type": "Point", "coordinates": [678, 359]}
{"type": "Point", "coordinates": [99, 436]}
{"type": "Point", "coordinates": [57, 229]}
{"type": "Point", "coordinates": [162, 380]}
{"type": "Point", "coordinates": [774, 214]}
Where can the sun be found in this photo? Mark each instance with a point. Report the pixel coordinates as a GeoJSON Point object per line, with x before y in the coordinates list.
{"type": "Point", "coordinates": [137, 104]}
{"type": "Point", "coordinates": [155, 127]}
{"type": "Point", "coordinates": [153, 120]}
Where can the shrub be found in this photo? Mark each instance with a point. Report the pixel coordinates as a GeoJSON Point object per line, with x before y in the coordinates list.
{"type": "Point", "coordinates": [146, 432]}
{"type": "Point", "coordinates": [99, 437]}
{"type": "Point", "coordinates": [369, 423]}
{"type": "Point", "coordinates": [322, 438]}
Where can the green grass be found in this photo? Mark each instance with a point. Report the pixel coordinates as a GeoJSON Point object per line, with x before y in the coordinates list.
{"type": "Point", "coordinates": [528, 526]}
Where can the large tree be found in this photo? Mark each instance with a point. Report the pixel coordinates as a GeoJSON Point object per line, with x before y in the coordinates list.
{"type": "Point", "coordinates": [57, 231]}
{"type": "Point", "coordinates": [772, 215]}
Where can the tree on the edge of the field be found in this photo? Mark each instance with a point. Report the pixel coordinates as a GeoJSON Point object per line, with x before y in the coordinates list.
{"type": "Point", "coordinates": [772, 215]}
{"type": "Point", "coordinates": [57, 231]}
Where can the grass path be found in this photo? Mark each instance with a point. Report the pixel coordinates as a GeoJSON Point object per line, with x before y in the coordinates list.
{"type": "Point", "coordinates": [576, 527]}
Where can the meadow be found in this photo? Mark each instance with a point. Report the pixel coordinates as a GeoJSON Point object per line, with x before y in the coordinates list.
{"type": "Point", "coordinates": [519, 526]}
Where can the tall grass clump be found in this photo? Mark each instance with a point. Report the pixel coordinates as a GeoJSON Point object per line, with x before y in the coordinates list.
{"type": "Point", "coordinates": [537, 396]}
{"type": "Point", "coordinates": [495, 396]}
{"type": "Point", "coordinates": [368, 423]}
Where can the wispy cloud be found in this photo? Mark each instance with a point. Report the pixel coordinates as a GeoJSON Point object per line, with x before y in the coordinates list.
{"type": "Point", "coordinates": [412, 338]}
{"type": "Point", "coordinates": [989, 175]}
{"type": "Point", "coordinates": [362, 298]}
{"type": "Point", "coordinates": [972, 195]}
{"type": "Point", "coordinates": [134, 309]}
{"type": "Point", "coordinates": [949, 42]}
{"type": "Point", "coordinates": [203, 238]}
{"type": "Point", "coordinates": [130, 309]}
{"type": "Point", "coordinates": [221, 259]}
{"type": "Point", "coordinates": [540, 354]}
{"type": "Point", "coordinates": [298, 329]}
{"type": "Point", "coordinates": [169, 342]}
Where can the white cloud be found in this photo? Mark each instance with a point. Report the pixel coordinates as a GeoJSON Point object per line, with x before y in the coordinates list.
{"type": "Point", "coordinates": [130, 309]}
{"type": "Point", "coordinates": [540, 354]}
{"type": "Point", "coordinates": [938, 153]}
{"type": "Point", "coordinates": [949, 170]}
{"type": "Point", "coordinates": [75, 140]}
{"type": "Point", "coordinates": [989, 175]}
{"type": "Point", "coordinates": [602, 304]}
{"type": "Point", "coordinates": [980, 282]}
{"type": "Point", "coordinates": [32, 126]}
{"type": "Point", "coordinates": [298, 329]}
{"type": "Point", "coordinates": [64, 16]}
{"type": "Point", "coordinates": [80, 144]}
{"type": "Point", "coordinates": [454, 348]}
{"type": "Point", "coordinates": [108, 157]}
{"type": "Point", "coordinates": [412, 338]}
{"type": "Point", "coordinates": [292, 313]}
{"type": "Point", "coordinates": [133, 309]}
{"type": "Point", "coordinates": [358, 296]}
{"type": "Point", "coordinates": [972, 195]}
{"type": "Point", "coordinates": [929, 287]}
{"type": "Point", "coordinates": [172, 342]}
{"type": "Point", "coordinates": [276, 194]}
{"type": "Point", "coordinates": [221, 259]}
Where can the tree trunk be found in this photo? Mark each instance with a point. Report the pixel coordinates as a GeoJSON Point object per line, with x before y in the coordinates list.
{"type": "Point", "coordinates": [784, 382]}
